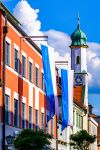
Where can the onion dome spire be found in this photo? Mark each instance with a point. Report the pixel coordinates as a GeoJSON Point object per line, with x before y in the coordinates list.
{"type": "Point", "coordinates": [78, 37]}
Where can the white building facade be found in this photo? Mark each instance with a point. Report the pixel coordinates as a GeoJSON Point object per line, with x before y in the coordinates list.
{"type": "Point", "coordinates": [80, 97]}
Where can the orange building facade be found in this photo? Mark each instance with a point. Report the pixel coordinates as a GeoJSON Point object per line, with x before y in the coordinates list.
{"type": "Point", "coordinates": [25, 101]}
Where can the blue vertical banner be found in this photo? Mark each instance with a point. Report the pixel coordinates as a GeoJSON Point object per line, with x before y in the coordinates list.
{"type": "Point", "coordinates": [50, 79]}
{"type": "Point", "coordinates": [67, 97]}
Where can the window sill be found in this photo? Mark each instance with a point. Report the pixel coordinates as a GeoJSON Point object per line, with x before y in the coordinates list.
{"type": "Point", "coordinates": [7, 65]}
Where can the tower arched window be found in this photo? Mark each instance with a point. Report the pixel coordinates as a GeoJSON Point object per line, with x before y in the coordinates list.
{"type": "Point", "coordinates": [78, 60]}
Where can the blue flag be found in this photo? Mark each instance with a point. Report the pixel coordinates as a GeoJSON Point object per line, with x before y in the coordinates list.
{"type": "Point", "coordinates": [67, 98]}
{"type": "Point", "coordinates": [50, 80]}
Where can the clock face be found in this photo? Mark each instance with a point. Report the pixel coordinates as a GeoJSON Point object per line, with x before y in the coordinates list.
{"type": "Point", "coordinates": [79, 79]}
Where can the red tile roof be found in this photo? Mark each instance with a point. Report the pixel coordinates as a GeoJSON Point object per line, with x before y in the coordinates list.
{"type": "Point", "coordinates": [78, 95]}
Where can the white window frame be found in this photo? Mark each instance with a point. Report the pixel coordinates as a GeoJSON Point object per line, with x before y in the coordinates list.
{"type": "Point", "coordinates": [25, 114]}
{"type": "Point", "coordinates": [16, 96]}
{"type": "Point", "coordinates": [36, 66]}
{"type": "Point", "coordinates": [8, 40]}
{"type": "Point", "coordinates": [25, 55]}
{"type": "Point", "coordinates": [30, 61]}
{"type": "Point", "coordinates": [8, 92]}
{"type": "Point", "coordinates": [17, 48]}
{"type": "Point", "coordinates": [31, 118]}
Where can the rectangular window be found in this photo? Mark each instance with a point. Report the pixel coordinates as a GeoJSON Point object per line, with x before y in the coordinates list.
{"type": "Point", "coordinates": [42, 81]}
{"type": "Point", "coordinates": [42, 121]}
{"type": "Point", "coordinates": [7, 54]}
{"type": "Point", "coordinates": [81, 125]}
{"type": "Point", "coordinates": [30, 71]}
{"type": "Point", "coordinates": [23, 115]}
{"type": "Point", "coordinates": [37, 70]}
{"type": "Point", "coordinates": [7, 109]}
{"type": "Point", "coordinates": [36, 119]}
{"type": "Point", "coordinates": [77, 119]}
{"type": "Point", "coordinates": [78, 60]}
{"type": "Point", "coordinates": [23, 66]}
{"type": "Point", "coordinates": [30, 117]}
{"type": "Point", "coordinates": [15, 112]}
{"type": "Point", "coordinates": [16, 65]}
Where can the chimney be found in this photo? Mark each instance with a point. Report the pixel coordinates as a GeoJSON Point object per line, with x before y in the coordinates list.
{"type": "Point", "coordinates": [90, 107]}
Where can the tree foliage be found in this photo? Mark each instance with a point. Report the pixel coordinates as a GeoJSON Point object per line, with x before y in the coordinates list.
{"type": "Point", "coordinates": [82, 140]}
{"type": "Point", "coordinates": [29, 140]}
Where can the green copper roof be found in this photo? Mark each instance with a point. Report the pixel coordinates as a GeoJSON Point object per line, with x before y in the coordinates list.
{"type": "Point", "coordinates": [78, 37]}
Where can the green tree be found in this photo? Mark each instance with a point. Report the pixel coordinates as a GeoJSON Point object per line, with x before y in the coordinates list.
{"type": "Point", "coordinates": [31, 140]}
{"type": "Point", "coordinates": [82, 140]}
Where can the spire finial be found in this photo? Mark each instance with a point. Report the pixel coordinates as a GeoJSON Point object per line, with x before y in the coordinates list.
{"type": "Point", "coordinates": [78, 21]}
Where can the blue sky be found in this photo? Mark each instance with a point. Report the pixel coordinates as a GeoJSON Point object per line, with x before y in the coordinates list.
{"type": "Point", "coordinates": [61, 15]}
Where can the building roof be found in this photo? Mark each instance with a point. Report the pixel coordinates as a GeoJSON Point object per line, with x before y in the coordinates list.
{"type": "Point", "coordinates": [80, 105]}
{"type": "Point", "coordinates": [78, 90]}
{"type": "Point", "coordinates": [78, 37]}
{"type": "Point", "coordinates": [9, 15]}
{"type": "Point", "coordinates": [17, 25]}
{"type": "Point", "coordinates": [93, 115]}
{"type": "Point", "coordinates": [93, 121]}
{"type": "Point", "coordinates": [77, 97]}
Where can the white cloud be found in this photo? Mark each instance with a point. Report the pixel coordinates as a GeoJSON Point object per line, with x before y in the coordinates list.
{"type": "Point", "coordinates": [90, 78]}
{"type": "Point", "coordinates": [64, 58]}
{"type": "Point", "coordinates": [96, 111]}
{"type": "Point", "coordinates": [93, 61]}
{"type": "Point", "coordinates": [59, 40]}
{"type": "Point", "coordinates": [58, 57]}
{"type": "Point", "coordinates": [94, 46]}
{"type": "Point", "coordinates": [28, 17]}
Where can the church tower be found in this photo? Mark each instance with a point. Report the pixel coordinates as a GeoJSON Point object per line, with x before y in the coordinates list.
{"type": "Point", "coordinates": [79, 65]}
{"type": "Point", "coordinates": [78, 50]}
{"type": "Point", "coordinates": [78, 55]}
